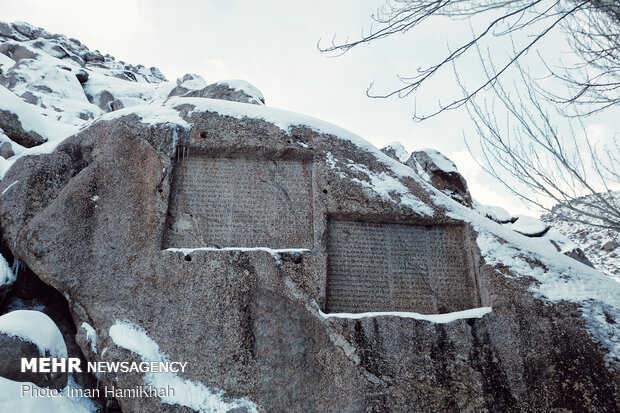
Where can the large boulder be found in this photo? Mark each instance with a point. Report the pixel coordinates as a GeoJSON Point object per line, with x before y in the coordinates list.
{"type": "Point", "coordinates": [235, 237]}
{"type": "Point", "coordinates": [396, 151]}
{"type": "Point", "coordinates": [13, 128]}
{"type": "Point", "coordinates": [186, 83]}
{"type": "Point", "coordinates": [16, 51]}
{"type": "Point", "coordinates": [233, 90]}
{"type": "Point", "coordinates": [30, 334]}
{"type": "Point", "coordinates": [442, 174]}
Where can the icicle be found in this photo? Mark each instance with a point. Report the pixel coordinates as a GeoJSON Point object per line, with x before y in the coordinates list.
{"type": "Point", "coordinates": [15, 267]}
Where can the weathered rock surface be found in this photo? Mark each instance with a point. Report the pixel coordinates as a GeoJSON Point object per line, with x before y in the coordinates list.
{"type": "Point", "coordinates": [396, 151]}
{"type": "Point", "coordinates": [609, 246]}
{"type": "Point", "coordinates": [92, 217]}
{"type": "Point", "coordinates": [12, 127]}
{"type": "Point", "coordinates": [442, 174]}
{"type": "Point", "coordinates": [6, 150]}
{"type": "Point", "coordinates": [589, 239]}
{"type": "Point", "coordinates": [235, 91]}
{"type": "Point", "coordinates": [187, 83]}
{"type": "Point", "coordinates": [28, 292]}
{"type": "Point", "coordinates": [12, 350]}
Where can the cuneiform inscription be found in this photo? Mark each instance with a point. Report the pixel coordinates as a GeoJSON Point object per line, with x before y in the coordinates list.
{"type": "Point", "coordinates": [397, 267]}
{"type": "Point", "coordinates": [223, 202]}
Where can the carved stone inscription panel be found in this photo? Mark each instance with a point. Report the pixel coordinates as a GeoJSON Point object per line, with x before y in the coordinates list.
{"type": "Point", "coordinates": [397, 267]}
{"type": "Point", "coordinates": [223, 202]}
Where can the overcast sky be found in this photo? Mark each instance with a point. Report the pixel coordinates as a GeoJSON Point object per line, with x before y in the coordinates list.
{"type": "Point", "coordinates": [272, 44]}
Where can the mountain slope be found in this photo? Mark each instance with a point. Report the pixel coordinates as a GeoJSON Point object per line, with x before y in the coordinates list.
{"type": "Point", "coordinates": [601, 245]}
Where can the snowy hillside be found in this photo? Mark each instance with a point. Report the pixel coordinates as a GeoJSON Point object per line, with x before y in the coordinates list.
{"type": "Point", "coordinates": [52, 86]}
{"type": "Point", "coordinates": [601, 246]}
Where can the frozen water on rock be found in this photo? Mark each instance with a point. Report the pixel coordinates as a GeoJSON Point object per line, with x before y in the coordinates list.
{"type": "Point", "coordinates": [7, 277]}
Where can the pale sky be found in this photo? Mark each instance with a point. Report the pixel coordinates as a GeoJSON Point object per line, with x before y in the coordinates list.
{"type": "Point", "coordinates": [272, 44]}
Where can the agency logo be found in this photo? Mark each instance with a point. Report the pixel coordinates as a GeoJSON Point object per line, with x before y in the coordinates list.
{"type": "Point", "coordinates": [73, 365]}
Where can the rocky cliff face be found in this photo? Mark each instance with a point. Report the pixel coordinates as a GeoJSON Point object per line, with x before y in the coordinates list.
{"type": "Point", "coordinates": [297, 268]}
{"type": "Point", "coordinates": [601, 245]}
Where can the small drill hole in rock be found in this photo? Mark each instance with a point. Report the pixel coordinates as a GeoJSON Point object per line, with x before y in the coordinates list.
{"type": "Point", "coordinates": [188, 258]}
{"type": "Point", "coordinates": [325, 191]}
{"type": "Point", "coordinates": [203, 135]}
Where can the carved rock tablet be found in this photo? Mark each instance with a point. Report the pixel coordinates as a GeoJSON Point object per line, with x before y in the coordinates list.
{"type": "Point", "coordinates": [223, 202]}
{"type": "Point", "coordinates": [398, 267]}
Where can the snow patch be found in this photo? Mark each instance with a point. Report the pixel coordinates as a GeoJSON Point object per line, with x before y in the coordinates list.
{"type": "Point", "coordinates": [562, 241]}
{"type": "Point", "coordinates": [151, 114]}
{"type": "Point", "coordinates": [91, 336]}
{"type": "Point", "coordinates": [440, 160]}
{"type": "Point", "coordinates": [561, 277]}
{"type": "Point", "coordinates": [12, 401]}
{"type": "Point", "coordinates": [496, 213]}
{"type": "Point", "coordinates": [245, 87]}
{"type": "Point", "coordinates": [399, 150]}
{"type": "Point", "coordinates": [386, 187]}
{"type": "Point", "coordinates": [528, 226]}
{"type": "Point", "coordinates": [37, 328]}
{"type": "Point", "coordinates": [192, 394]}
{"type": "Point", "coordinates": [7, 277]}
{"type": "Point", "coordinates": [433, 318]}
{"type": "Point", "coordinates": [31, 118]}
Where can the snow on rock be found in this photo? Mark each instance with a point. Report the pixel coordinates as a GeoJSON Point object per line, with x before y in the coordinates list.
{"type": "Point", "coordinates": [231, 90]}
{"type": "Point", "coordinates": [441, 173]}
{"type": "Point", "coordinates": [5, 63]}
{"type": "Point", "coordinates": [11, 399]}
{"type": "Point", "coordinates": [387, 187]}
{"type": "Point", "coordinates": [433, 318]}
{"type": "Point", "coordinates": [192, 394]}
{"type": "Point", "coordinates": [562, 242]}
{"type": "Point", "coordinates": [496, 213]}
{"type": "Point", "coordinates": [191, 81]}
{"type": "Point", "coordinates": [7, 277]}
{"type": "Point", "coordinates": [51, 85]}
{"type": "Point", "coordinates": [256, 96]}
{"type": "Point", "coordinates": [439, 160]}
{"type": "Point", "coordinates": [589, 238]}
{"type": "Point", "coordinates": [286, 120]}
{"type": "Point", "coordinates": [37, 328]}
{"type": "Point", "coordinates": [28, 128]}
{"type": "Point", "coordinates": [397, 151]}
{"type": "Point", "coordinates": [529, 226]}
{"type": "Point", "coordinates": [561, 277]}
{"type": "Point", "coordinates": [152, 114]}
{"type": "Point", "coordinates": [91, 336]}
{"type": "Point", "coordinates": [101, 90]}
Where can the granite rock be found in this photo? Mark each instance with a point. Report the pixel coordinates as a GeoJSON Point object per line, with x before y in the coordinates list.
{"type": "Point", "coordinates": [12, 127]}
{"type": "Point", "coordinates": [91, 219]}
{"type": "Point", "coordinates": [6, 150]}
{"type": "Point", "coordinates": [442, 174]}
